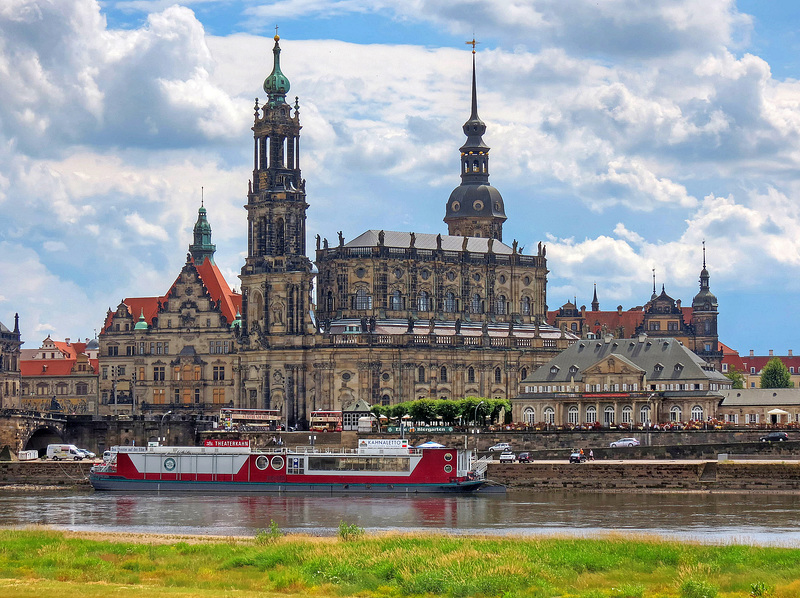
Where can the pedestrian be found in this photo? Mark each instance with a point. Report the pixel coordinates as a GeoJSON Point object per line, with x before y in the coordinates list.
{"type": "Point", "coordinates": [591, 455]}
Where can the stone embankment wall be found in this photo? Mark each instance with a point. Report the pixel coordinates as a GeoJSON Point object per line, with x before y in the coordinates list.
{"type": "Point", "coordinates": [45, 473]}
{"type": "Point", "coordinates": [649, 476]}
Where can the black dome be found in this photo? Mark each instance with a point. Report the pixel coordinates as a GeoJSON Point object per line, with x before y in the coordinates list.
{"type": "Point", "coordinates": [467, 201]}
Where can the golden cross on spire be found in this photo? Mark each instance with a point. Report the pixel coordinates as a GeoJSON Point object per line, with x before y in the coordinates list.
{"type": "Point", "coordinates": [472, 43]}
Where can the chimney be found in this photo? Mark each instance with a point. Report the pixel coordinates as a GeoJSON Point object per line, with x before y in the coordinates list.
{"type": "Point", "coordinates": [678, 303]}
{"type": "Point", "coordinates": [67, 341]}
{"type": "Point", "coordinates": [619, 310]}
{"type": "Point", "coordinates": [770, 353]}
{"type": "Point", "coordinates": [751, 353]}
{"type": "Point", "coordinates": [790, 353]}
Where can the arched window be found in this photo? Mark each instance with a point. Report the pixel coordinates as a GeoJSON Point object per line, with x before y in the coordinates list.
{"type": "Point", "coordinates": [385, 400]}
{"type": "Point", "coordinates": [396, 302]}
{"type": "Point", "coordinates": [422, 301]}
{"type": "Point", "coordinates": [362, 300]}
{"type": "Point", "coordinates": [573, 416]}
{"type": "Point", "coordinates": [549, 415]}
{"type": "Point", "coordinates": [526, 306]}
{"type": "Point", "coordinates": [498, 375]}
{"type": "Point", "coordinates": [523, 373]}
{"type": "Point", "coordinates": [697, 413]}
{"type": "Point", "coordinates": [443, 374]}
{"type": "Point", "coordinates": [644, 415]}
{"type": "Point", "coordinates": [574, 327]}
{"type": "Point", "coordinates": [529, 415]}
{"type": "Point", "coordinates": [475, 304]}
{"type": "Point", "coordinates": [470, 374]}
{"type": "Point", "coordinates": [675, 414]}
{"type": "Point", "coordinates": [627, 414]}
{"type": "Point", "coordinates": [608, 415]}
{"type": "Point", "coordinates": [500, 305]}
{"type": "Point", "coordinates": [476, 166]}
{"type": "Point", "coordinates": [449, 303]}
{"type": "Point", "coordinates": [421, 373]}
{"type": "Point", "coordinates": [591, 414]}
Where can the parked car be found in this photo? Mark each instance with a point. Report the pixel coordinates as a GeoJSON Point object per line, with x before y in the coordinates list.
{"type": "Point", "coordinates": [624, 442]}
{"type": "Point", "coordinates": [775, 437]}
{"type": "Point", "coordinates": [507, 457]}
{"type": "Point", "coordinates": [87, 454]}
{"type": "Point", "coordinates": [577, 457]}
{"type": "Point", "coordinates": [500, 446]}
{"type": "Point", "coordinates": [524, 457]}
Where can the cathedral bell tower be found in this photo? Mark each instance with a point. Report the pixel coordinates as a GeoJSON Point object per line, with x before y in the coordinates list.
{"type": "Point", "coordinates": [475, 208]}
{"type": "Point", "coordinates": [276, 277]}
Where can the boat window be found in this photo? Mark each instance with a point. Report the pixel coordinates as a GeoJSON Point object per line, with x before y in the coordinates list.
{"type": "Point", "coordinates": [358, 463]}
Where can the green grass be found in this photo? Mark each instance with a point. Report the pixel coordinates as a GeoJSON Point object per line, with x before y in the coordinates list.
{"type": "Point", "coordinates": [39, 563]}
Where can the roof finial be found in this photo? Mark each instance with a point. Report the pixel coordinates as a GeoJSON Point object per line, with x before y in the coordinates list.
{"type": "Point", "coordinates": [472, 43]}
{"type": "Point", "coordinates": [276, 33]}
{"type": "Point", "coordinates": [654, 281]}
{"type": "Point", "coordinates": [704, 254]}
{"type": "Point", "coordinates": [202, 197]}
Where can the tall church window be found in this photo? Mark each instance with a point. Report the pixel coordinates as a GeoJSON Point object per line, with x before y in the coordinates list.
{"type": "Point", "coordinates": [396, 301]}
{"type": "Point", "coordinates": [421, 374]}
{"type": "Point", "coordinates": [523, 373]}
{"type": "Point", "coordinates": [362, 300]}
{"type": "Point", "coordinates": [498, 375]}
{"type": "Point", "coordinates": [471, 374]}
{"type": "Point", "coordinates": [500, 305]}
{"type": "Point", "coordinates": [707, 327]}
{"type": "Point", "coordinates": [449, 302]}
{"type": "Point", "coordinates": [423, 300]}
{"type": "Point", "coordinates": [475, 304]}
{"type": "Point", "coordinates": [329, 301]}
{"type": "Point", "coordinates": [443, 374]}
{"type": "Point", "coordinates": [526, 306]}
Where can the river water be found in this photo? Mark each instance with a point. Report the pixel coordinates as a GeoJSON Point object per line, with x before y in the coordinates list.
{"type": "Point", "coordinates": [717, 518]}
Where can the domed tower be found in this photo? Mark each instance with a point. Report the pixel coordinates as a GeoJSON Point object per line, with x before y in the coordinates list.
{"type": "Point", "coordinates": [202, 248]}
{"type": "Point", "coordinates": [704, 318]}
{"type": "Point", "coordinates": [475, 208]}
{"type": "Point", "coordinates": [277, 275]}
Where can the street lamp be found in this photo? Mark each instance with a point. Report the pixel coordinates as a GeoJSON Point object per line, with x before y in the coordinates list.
{"type": "Point", "coordinates": [476, 412]}
{"type": "Point", "coordinates": [161, 427]}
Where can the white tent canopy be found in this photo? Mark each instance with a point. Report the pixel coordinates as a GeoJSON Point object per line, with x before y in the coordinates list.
{"type": "Point", "coordinates": [777, 412]}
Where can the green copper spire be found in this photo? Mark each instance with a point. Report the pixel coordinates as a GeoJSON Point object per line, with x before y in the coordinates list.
{"type": "Point", "coordinates": [202, 247]}
{"type": "Point", "coordinates": [276, 85]}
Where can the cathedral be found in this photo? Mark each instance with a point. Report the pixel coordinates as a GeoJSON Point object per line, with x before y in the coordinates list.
{"type": "Point", "coordinates": [396, 316]}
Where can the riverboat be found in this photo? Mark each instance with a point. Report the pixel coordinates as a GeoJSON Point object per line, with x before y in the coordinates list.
{"type": "Point", "coordinates": [376, 466]}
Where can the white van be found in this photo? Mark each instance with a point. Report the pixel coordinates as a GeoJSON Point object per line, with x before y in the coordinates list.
{"type": "Point", "coordinates": [63, 451]}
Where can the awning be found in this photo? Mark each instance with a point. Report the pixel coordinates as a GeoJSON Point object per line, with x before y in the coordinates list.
{"type": "Point", "coordinates": [777, 412]}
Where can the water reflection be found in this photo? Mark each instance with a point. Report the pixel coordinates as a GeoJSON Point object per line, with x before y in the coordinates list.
{"type": "Point", "coordinates": [770, 519]}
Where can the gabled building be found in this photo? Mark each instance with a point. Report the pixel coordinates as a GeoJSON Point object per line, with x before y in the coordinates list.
{"type": "Point", "coordinates": [610, 381]}
{"type": "Point", "coordinates": [10, 344]}
{"type": "Point", "coordinates": [174, 352]}
{"type": "Point", "coordinates": [60, 376]}
{"type": "Point", "coordinates": [751, 365]}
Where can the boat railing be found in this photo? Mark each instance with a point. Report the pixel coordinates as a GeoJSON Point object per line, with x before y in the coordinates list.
{"type": "Point", "coordinates": [307, 449]}
{"type": "Point", "coordinates": [480, 466]}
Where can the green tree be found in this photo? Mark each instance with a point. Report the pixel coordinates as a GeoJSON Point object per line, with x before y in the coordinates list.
{"type": "Point", "coordinates": [776, 375]}
{"type": "Point", "coordinates": [736, 376]}
{"type": "Point", "coordinates": [423, 410]}
{"type": "Point", "coordinates": [448, 411]}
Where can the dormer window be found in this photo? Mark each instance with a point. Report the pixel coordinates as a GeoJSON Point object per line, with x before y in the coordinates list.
{"type": "Point", "coordinates": [554, 369]}
{"type": "Point", "coordinates": [573, 369]}
{"type": "Point", "coordinates": [678, 367]}
{"type": "Point", "coordinates": [658, 368]}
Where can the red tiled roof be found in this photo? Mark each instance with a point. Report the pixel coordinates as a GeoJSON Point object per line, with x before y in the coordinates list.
{"type": "Point", "coordinates": [759, 361]}
{"type": "Point", "coordinates": [628, 320]}
{"type": "Point", "coordinates": [212, 279]}
{"type": "Point", "coordinates": [55, 367]}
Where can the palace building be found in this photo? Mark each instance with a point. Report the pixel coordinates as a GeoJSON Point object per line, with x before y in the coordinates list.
{"type": "Point", "coordinates": [10, 343]}
{"type": "Point", "coordinates": [397, 315]}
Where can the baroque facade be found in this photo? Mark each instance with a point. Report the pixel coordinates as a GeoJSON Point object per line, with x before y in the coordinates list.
{"type": "Point", "coordinates": [398, 315]}
{"type": "Point", "coordinates": [608, 381]}
{"type": "Point", "coordinates": [177, 352]}
{"type": "Point", "coordinates": [60, 376]}
{"type": "Point", "coordinates": [10, 343]}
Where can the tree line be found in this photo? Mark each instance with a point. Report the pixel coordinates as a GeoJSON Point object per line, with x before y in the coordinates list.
{"type": "Point", "coordinates": [448, 411]}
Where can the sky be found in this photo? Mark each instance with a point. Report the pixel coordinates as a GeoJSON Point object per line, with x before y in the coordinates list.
{"type": "Point", "coordinates": [624, 133]}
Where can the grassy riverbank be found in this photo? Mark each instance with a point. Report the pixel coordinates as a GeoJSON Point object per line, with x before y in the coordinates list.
{"type": "Point", "coordinates": [48, 563]}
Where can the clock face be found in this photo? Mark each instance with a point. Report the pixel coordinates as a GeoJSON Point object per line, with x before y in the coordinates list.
{"type": "Point", "coordinates": [455, 206]}
{"type": "Point", "coordinates": [477, 205]}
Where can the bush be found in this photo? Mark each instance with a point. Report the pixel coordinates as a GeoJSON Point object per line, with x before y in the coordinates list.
{"type": "Point", "coordinates": [695, 588]}
{"type": "Point", "coordinates": [760, 590]}
{"type": "Point", "coordinates": [349, 532]}
{"type": "Point", "coordinates": [268, 536]}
